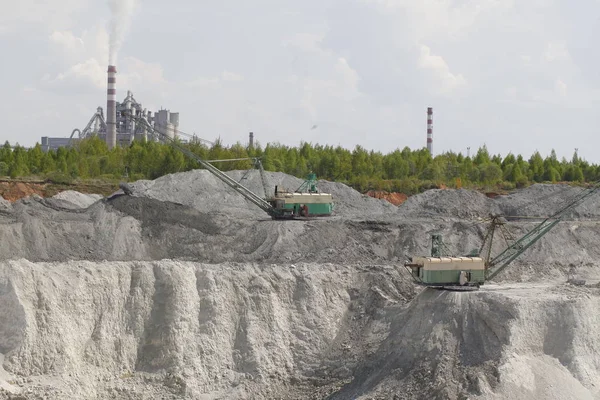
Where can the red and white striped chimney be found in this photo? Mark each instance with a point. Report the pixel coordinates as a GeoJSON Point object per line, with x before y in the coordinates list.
{"type": "Point", "coordinates": [111, 108]}
{"type": "Point", "coordinates": [430, 130]}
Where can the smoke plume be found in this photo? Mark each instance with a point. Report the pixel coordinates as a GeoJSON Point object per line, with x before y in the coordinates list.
{"type": "Point", "coordinates": [121, 12]}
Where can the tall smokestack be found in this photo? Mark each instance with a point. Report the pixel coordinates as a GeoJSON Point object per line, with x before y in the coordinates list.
{"type": "Point", "coordinates": [430, 130]}
{"type": "Point", "coordinates": [111, 108]}
{"type": "Point", "coordinates": [251, 140]}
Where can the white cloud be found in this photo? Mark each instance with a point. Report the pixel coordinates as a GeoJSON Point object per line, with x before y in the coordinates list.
{"type": "Point", "coordinates": [320, 66]}
{"type": "Point", "coordinates": [80, 76]}
{"type": "Point", "coordinates": [228, 76]}
{"type": "Point", "coordinates": [526, 59]}
{"type": "Point", "coordinates": [349, 75]}
{"type": "Point", "coordinates": [92, 43]}
{"type": "Point", "coordinates": [309, 42]}
{"type": "Point", "coordinates": [80, 60]}
{"type": "Point", "coordinates": [138, 72]}
{"type": "Point", "coordinates": [560, 87]}
{"type": "Point", "coordinates": [319, 88]}
{"type": "Point", "coordinates": [29, 89]}
{"type": "Point", "coordinates": [225, 76]}
{"type": "Point", "coordinates": [202, 81]}
{"type": "Point", "coordinates": [446, 80]}
{"type": "Point", "coordinates": [85, 58]}
{"type": "Point", "coordinates": [511, 92]}
{"type": "Point", "coordinates": [68, 41]}
{"type": "Point", "coordinates": [324, 84]}
{"type": "Point", "coordinates": [348, 80]}
{"type": "Point", "coordinates": [23, 15]}
{"type": "Point", "coordinates": [430, 18]}
{"type": "Point", "coordinates": [556, 51]}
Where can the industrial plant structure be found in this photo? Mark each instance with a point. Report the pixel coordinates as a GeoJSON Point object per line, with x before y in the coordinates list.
{"type": "Point", "coordinates": [119, 127]}
{"type": "Point", "coordinates": [430, 130]}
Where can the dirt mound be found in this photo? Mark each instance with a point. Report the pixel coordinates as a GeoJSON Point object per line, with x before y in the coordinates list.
{"type": "Point", "coordinates": [205, 192]}
{"type": "Point", "coordinates": [208, 222]}
{"type": "Point", "coordinates": [542, 200]}
{"type": "Point", "coordinates": [448, 203]}
{"type": "Point", "coordinates": [76, 199]}
{"type": "Point", "coordinates": [13, 191]}
{"type": "Point", "coordinates": [394, 198]}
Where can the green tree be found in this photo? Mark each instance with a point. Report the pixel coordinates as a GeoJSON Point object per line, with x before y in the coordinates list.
{"type": "Point", "coordinates": [34, 159]}
{"type": "Point", "coordinates": [482, 156]}
{"type": "Point", "coordinates": [6, 153]}
{"type": "Point", "coordinates": [551, 174]}
{"type": "Point", "coordinates": [536, 164]}
{"type": "Point", "coordinates": [508, 160]}
{"type": "Point", "coordinates": [491, 173]}
{"type": "Point", "coordinates": [578, 174]}
{"type": "Point", "coordinates": [19, 166]}
{"type": "Point", "coordinates": [360, 162]}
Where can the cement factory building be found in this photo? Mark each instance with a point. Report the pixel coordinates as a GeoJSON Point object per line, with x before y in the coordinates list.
{"type": "Point", "coordinates": [118, 127]}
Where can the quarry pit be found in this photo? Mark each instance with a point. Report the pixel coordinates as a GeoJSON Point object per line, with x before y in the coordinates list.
{"type": "Point", "coordinates": [185, 290]}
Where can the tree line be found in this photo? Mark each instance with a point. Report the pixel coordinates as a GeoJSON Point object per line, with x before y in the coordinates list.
{"type": "Point", "coordinates": [408, 171]}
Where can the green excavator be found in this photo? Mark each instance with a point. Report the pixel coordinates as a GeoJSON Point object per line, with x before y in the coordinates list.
{"type": "Point", "coordinates": [281, 205]}
{"type": "Point", "coordinates": [469, 272]}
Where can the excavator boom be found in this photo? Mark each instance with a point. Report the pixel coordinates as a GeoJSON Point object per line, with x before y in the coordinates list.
{"type": "Point", "coordinates": [247, 193]}
{"type": "Point", "coordinates": [502, 260]}
{"type": "Point", "coordinates": [472, 271]}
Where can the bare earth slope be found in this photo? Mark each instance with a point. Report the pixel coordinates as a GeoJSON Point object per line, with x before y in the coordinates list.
{"type": "Point", "coordinates": [83, 329]}
{"type": "Point", "coordinates": [185, 290]}
{"type": "Point", "coordinates": [515, 341]}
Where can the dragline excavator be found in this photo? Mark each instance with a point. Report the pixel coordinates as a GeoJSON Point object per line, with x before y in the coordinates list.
{"type": "Point", "coordinates": [468, 273]}
{"type": "Point", "coordinates": [282, 205]}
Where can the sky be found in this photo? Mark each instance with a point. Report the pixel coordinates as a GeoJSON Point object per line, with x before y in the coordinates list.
{"type": "Point", "coordinates": [516, 76]}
